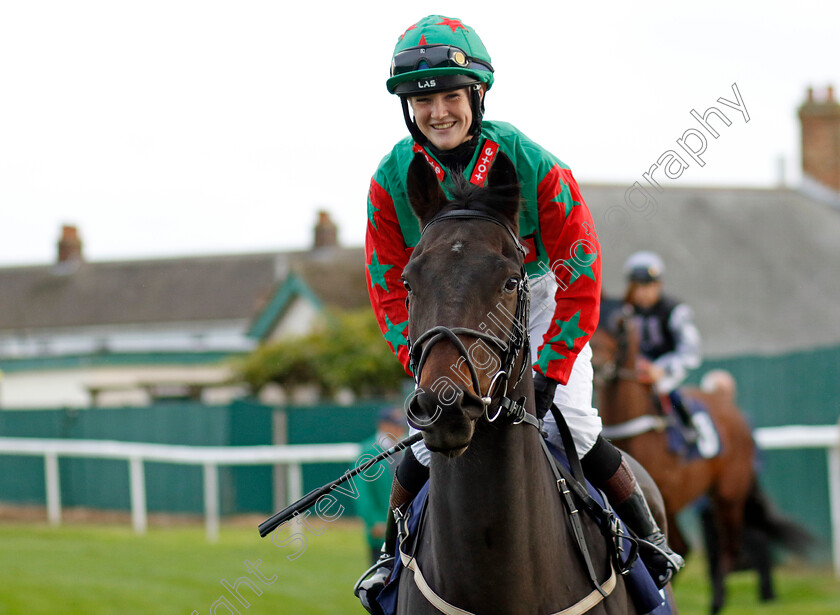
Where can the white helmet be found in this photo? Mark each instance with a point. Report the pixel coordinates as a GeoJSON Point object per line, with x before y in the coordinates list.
{"type": "Point", "coordinates": [644, 267]}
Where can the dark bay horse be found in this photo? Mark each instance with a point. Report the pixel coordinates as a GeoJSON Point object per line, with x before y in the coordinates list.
{"type": "Point", "coordinates": [495, 535]}
{"type": "Point", "coordinates": [728, 479]}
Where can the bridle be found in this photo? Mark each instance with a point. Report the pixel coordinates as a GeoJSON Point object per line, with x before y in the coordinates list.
{"type": "Point", "coordinates": [510, 350]}
{"type": "Point", "coordinates": [612, 370]}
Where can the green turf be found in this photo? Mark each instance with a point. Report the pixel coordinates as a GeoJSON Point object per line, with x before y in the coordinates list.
{"type": "Point", "coordinates": [800, 589]}
{"type": "Point", "coordinates": [108, 570]}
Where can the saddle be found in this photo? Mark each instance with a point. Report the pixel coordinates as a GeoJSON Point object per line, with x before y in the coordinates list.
{"type": "Point", "coordinates": [706, 444]}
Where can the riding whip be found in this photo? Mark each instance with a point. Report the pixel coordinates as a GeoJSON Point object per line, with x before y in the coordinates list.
{"type": "Point", "coordinates": [307, 501]}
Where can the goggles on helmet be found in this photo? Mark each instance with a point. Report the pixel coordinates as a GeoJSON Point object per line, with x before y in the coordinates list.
{"type": "Point", "coordinates": [644, 275]}
{"type": "Point", "coordinates": [434, 56]}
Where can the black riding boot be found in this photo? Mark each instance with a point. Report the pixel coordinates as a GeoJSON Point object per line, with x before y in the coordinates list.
{"type": "Point", "coordinates": [607, 469]}
{"type": "Point", "coordinates": [687, 428]}
{"type": "Point", "coordinates": [413, 475]}
{"type": "Point", "coordinates": [661, 561]}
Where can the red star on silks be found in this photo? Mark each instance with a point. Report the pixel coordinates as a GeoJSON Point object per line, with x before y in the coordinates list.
{"type": "Point", "coordinates": [452, 23]}
{"type": "Point", "coordinates": [402, 36]}
{"type": "Point", "coordinates": [423, 40]}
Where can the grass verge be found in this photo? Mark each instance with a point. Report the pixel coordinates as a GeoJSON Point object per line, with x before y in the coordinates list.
{"type": "Point", "coordinates": [93, 570]}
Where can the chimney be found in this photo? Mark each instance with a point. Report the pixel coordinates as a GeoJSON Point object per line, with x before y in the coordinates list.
{"type": "Point", "coordinates": [820, 122]}
{"type": "Point", "coordinates": [326, 232]}
{"type": "Point", "coordinates": [69, 246]}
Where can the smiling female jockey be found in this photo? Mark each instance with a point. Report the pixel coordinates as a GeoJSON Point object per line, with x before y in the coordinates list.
{"type": "Point", "coordinates": [441, 72]}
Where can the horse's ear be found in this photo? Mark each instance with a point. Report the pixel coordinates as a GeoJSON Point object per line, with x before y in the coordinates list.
{"type": "Point", "coordinates": [504, 182]}
{"type": "Point", "coordinates": [424, 192]}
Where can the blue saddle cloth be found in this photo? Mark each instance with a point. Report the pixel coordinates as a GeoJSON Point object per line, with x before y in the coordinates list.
{"type": "Point", "coordinates": [707, 444]}
{"type": "Point", "coordinates": [647, 598]}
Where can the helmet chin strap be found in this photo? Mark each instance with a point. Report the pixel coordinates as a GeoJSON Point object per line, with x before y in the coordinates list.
{"type": "Point", "coordinates": [476, 104]}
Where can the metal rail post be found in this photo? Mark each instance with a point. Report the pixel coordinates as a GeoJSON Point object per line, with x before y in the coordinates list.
{"type": "Point", "coordinates": [53, 488]}
{"type": "Point", "coordinates": [834, 499]}
{"type": "Point", "coordinates": [211, 500]}
{"type": "Point", "coordinates": [137, 480]}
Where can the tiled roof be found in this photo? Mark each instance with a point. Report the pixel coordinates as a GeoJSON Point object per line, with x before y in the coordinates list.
{"type": "Point", "coordinates": [171, 290]}
{"type": "Point", "coordinates": [758, 266]}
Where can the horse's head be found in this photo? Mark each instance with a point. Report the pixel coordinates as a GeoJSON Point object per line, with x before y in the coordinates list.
{"type": "Point", "coordinates": [467, 301]}
{"type": "Point", "coordinates": [615, 344]}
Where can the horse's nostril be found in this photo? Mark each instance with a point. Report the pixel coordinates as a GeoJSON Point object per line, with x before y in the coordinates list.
{"type": "Point", "coordinates": [427, 407]}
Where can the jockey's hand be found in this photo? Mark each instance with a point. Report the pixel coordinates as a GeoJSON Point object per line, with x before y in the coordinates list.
{"type": "Point", "coordinates": [543, 394]}
{"type": "Point", "coordinates": [648, 372]}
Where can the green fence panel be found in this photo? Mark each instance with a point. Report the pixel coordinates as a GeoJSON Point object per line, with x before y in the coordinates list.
{"type": "Point", "coordinates": [104, 483]}
{"type": "Point", "coordinates": [250, 488]}
{"type": "Point", "coordinates": [332, 424]}
{"type": "Point", "coordinates": [22, 478]}
{"type": "Point", "coordinates": [169, 487]}
{"type": "Point", "coordinates": [799, 388]}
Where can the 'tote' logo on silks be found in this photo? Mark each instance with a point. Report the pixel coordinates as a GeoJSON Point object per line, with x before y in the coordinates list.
{"type": "Point", "coordinates": [484, 162]}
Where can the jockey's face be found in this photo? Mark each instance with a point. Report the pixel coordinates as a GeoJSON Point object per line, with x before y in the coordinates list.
{"type": "Point", "coordinates": [645, 295]}
{"type": "Point", "coordinates": [443, 117]}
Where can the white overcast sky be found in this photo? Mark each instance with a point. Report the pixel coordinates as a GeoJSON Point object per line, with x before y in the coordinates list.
{"type": "Point", "coordinates": [181, 127]}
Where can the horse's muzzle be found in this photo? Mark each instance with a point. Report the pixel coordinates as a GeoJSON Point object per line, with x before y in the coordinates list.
{"type": "Point", "coordinates": [447, 421]}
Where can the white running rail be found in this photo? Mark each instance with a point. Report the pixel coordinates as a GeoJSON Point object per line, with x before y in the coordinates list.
{"type": "Point", "coordinates": [293, 456]}
{"type": "Point", "coordinates": [210, 457]}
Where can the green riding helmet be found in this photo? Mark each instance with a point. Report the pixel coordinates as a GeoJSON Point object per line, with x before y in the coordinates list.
{"type": "Point", "coordinates": [438, 53]}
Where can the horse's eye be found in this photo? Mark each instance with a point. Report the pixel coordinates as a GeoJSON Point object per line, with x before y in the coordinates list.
{"type": "Point", "coordinates": [406, 285]}
{"type": "Point", "coordinates": [511, 285]}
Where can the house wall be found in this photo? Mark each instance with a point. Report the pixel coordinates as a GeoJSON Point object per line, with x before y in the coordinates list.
{"type": "Point", "coordinates": [300, 318]}
{"type": "Point", "coordinates": [60, 367]}
{"type": "Point", "coordinates": [73, 384]}
{"type": "Point", "coordinates": [169, 337]}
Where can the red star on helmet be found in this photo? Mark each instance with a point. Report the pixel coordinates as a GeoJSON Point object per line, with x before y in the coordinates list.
{"type": "Point", "coordinates": [402, 36]}
{"type": "Point", "coordinates": [452, 23]}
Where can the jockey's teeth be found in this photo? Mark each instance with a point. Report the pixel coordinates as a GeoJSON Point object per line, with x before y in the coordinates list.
{"type": "Point", "coordinates": [443, 126]}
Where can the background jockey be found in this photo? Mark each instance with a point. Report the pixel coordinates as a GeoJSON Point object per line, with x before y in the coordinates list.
{"type": "Point", "coordinates": [669, 342]}
{"type": "Point", "coordinates": [441, 72]}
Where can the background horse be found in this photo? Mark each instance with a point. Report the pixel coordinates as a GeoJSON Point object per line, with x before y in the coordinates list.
{"type": "Point", "coordinates": [494, 538]}
{"type": "Point", "coordinates": [735, 509]}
